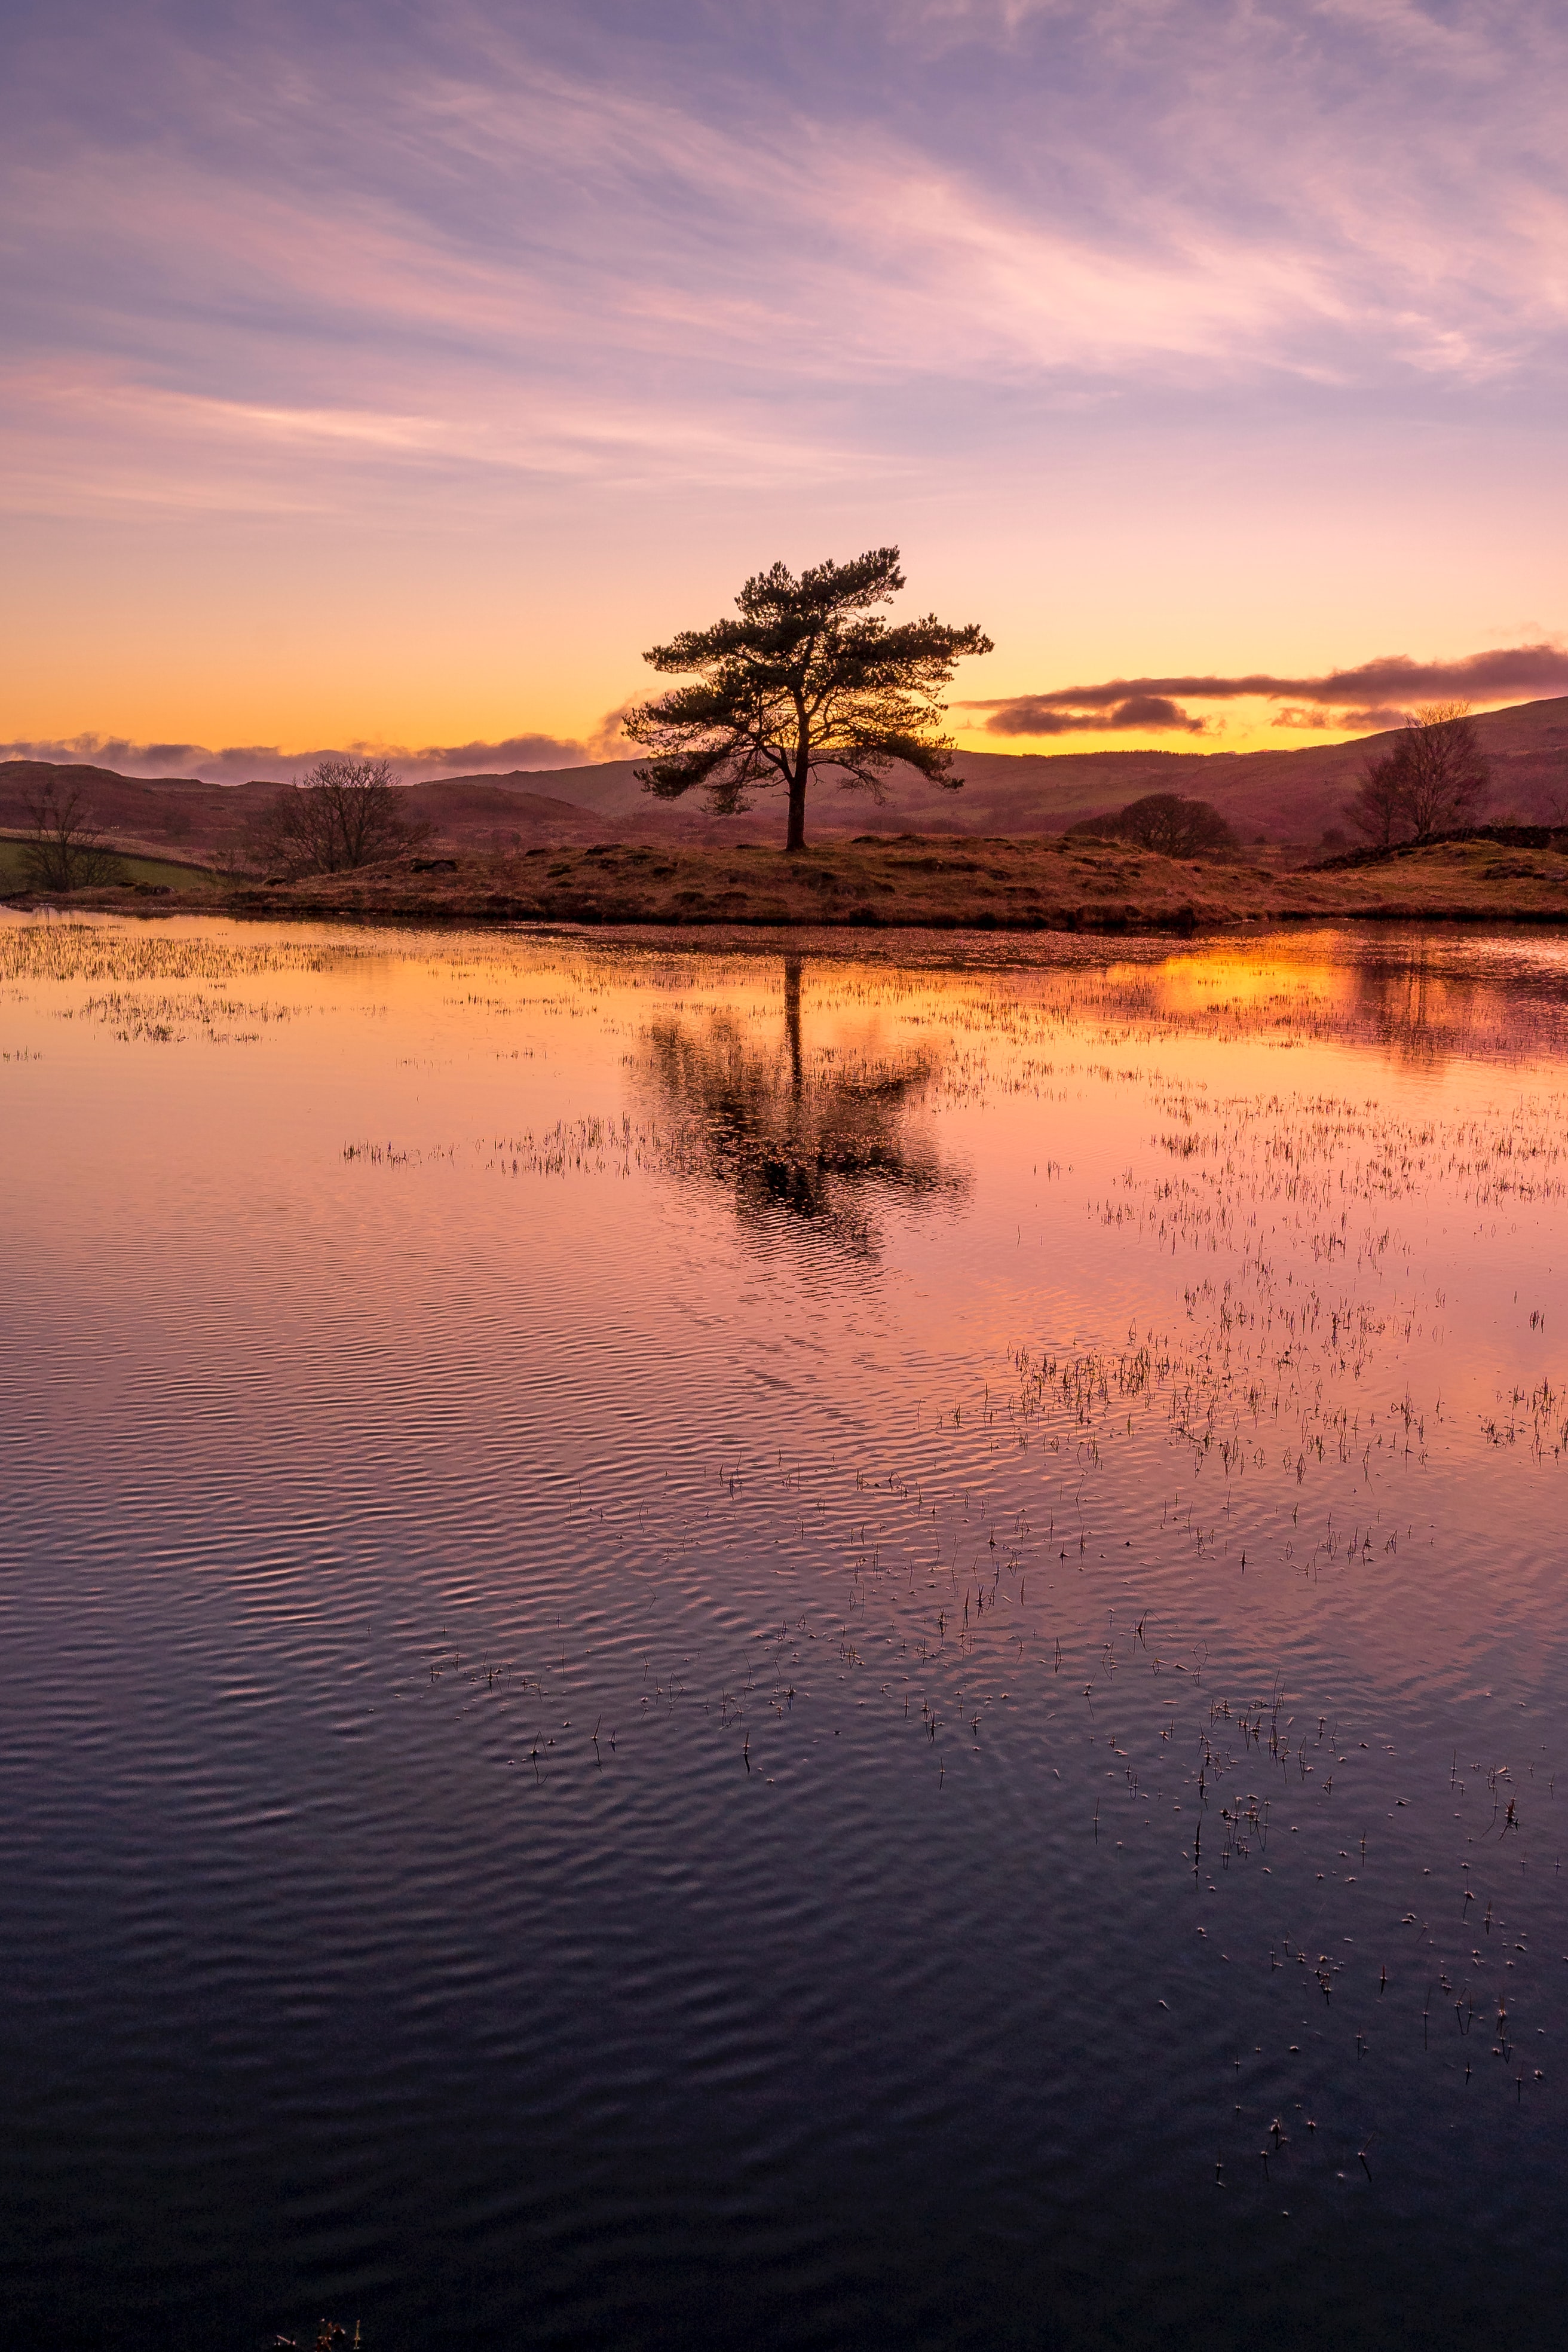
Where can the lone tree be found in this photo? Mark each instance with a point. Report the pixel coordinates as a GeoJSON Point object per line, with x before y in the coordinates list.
{"type": "Point", "coordinates": [1434, 779]}
{"type": "Point", "coordinates": [346, 814]}
{"type": "Point", "coordinates": [1445, 775]}
{"type": "Point", "coordinates": [809, 677]}
{"type": "Point", "coordinates": [66, 849]}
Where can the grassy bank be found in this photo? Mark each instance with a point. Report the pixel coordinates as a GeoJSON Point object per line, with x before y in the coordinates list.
{"type": "Point", "coordinates": [1029, 885]}
{"type": "Point", "coordinates": [140, 873]}
{"type": "Point", "coordinates": [935, 883]}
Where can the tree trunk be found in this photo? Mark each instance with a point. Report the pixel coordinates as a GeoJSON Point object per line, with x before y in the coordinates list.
{"type": "Point", "coordinates": [796, 836]}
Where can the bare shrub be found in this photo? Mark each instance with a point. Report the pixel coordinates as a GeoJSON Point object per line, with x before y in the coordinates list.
{"type": "Point", "coordinates": [346, 814]}
{"type": "Point", "coordinates": [1445, 775]}
{"type": "Point", "coordinates": [66, 849]}
{"type": "Point", "coordinates": [1434, 779]}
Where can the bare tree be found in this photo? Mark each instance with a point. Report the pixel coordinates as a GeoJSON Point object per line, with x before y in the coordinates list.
{"type": "Point", "coordinates": [1445, 775]}
{"type": "Point", "coordinates": [1376, 808]}
{"type": "Point", "coordinates": [65, 850]}
{"type": "Point", "coordinates": [346, 814]}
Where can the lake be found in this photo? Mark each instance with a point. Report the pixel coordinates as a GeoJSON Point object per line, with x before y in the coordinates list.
{"type": "Point", "coordinates": [856, 1647]}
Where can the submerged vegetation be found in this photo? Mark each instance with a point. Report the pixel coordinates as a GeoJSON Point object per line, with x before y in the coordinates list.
{"type": "Point", "coordinates": [939, 1479]}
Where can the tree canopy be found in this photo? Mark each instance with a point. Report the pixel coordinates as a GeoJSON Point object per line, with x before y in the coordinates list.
{"type": "Point", "coordinates": [1165, 821]}
{"type": "Point", "coordinates": [810, 678]}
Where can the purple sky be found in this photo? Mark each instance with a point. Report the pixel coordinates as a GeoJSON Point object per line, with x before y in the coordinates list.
{"type": "Point", "coordinates": [396, 374]}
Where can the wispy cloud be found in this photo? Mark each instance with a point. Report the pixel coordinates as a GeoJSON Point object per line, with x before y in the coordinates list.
{"type": "Point", "coordinates": [1374, 694]}
{"type": "Point", "coordinates": [494, 241]}
{"type": "Point", "coordinates": [509, 276]}
{"type": "Point", "coordinates": [1316, 719]}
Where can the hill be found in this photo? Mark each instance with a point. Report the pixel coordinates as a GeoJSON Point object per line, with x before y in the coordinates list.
{"type": "Point", "coordinates": [1286, 795]}
{"type": "Point", "coordinates": [199, 820]}
{"type": "Point", "coordinates": [1290, 796]}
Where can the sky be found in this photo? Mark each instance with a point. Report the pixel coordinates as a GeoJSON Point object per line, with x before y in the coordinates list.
{"type": "Point", "coordinates": [394, 375]}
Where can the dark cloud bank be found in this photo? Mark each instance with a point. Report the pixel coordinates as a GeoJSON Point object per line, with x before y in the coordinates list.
{"type": "Point", "coordinates": [1374, 694]}
{"type": "Point", "coordinates": [241, 763]}
{"type": "Point", "coordinates": [1377, 694]}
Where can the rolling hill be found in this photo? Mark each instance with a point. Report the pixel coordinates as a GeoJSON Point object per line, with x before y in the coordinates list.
{"type": "Point", "coordinates": [1275, 796]}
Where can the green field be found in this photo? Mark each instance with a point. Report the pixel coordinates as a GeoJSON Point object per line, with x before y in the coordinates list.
{"type": "Point", "coordinates": [181, 879]}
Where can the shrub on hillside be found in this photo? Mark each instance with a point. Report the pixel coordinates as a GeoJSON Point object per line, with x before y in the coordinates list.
{"type": "Point", "coordinates": [346, 814]}
{"type": "Point", "coordinates": [1167, 822]}
{"type": "Point", "coordinates": [64, 849]}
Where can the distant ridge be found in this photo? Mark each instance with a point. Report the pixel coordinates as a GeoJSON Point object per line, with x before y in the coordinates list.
{"type": "Point", "coordinates": [1284, 796]}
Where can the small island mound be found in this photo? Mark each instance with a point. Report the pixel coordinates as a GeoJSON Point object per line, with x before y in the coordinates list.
{"type": "Point", "coordinates": [907, 881]}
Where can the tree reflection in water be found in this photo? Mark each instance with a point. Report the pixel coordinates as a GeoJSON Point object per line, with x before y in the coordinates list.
{"type": "Point", "coordinates": [1425, 1005]}
{"type": "Point", "coordinates": [822, 1138]}
{"type": "Point", "coordinates": [1418, 1011]}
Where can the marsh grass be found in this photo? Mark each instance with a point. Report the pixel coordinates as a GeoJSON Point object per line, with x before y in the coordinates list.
{"type": "Point", "coordinates": [1063, 1565]}
{"type": "Point", "coordinates": [1279, 1420]}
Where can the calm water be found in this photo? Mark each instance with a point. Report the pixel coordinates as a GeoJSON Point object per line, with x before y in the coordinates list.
{"type": "Point", "coordinates": [708, 1651]}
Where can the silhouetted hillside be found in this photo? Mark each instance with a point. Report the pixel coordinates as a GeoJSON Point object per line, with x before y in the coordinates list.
{"type": "Point", "coordinates": [1285, 795]}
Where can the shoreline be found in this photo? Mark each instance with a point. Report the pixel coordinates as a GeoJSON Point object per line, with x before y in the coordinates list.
{"type": "Point", "coordinates": [1003, 887]}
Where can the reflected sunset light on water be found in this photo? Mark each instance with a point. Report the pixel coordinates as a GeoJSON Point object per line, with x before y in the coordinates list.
{"type": "Point", "coordinates": [845, 1647]}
